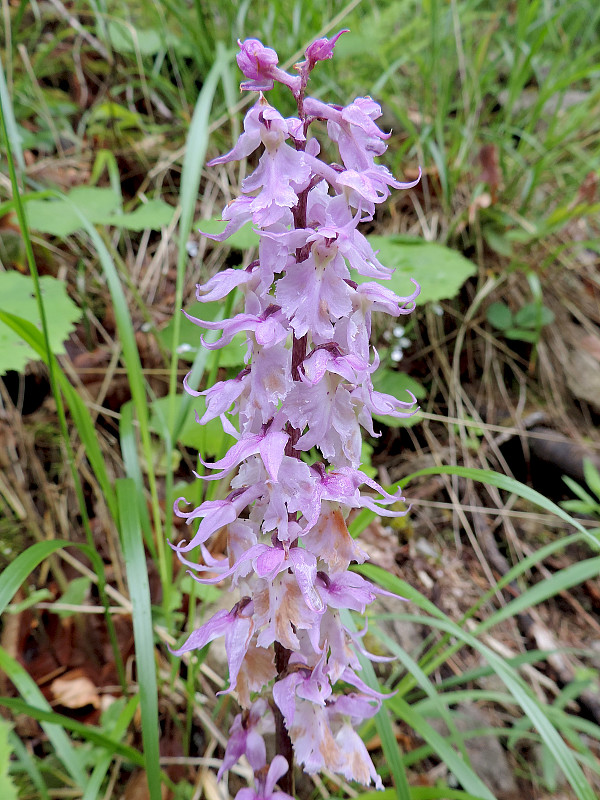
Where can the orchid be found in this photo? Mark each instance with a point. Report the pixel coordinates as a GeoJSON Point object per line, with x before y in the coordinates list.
{"type": "Point", "coordinates": [306, 389]}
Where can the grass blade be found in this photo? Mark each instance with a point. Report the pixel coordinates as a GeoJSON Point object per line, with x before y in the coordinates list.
{"type": "Point", "coordinates": [87, 732]}
{"type": "Point", "coordinates": [509, 485]}
{"type": "Point", "coordinates": [549, 587]}
{"type": "Point", "coordinates": [99, 772]}
{"type": "Point", "coordinates": [389, 744]}
{"type": "Point", "coordinates": [81, 416]}
{"type": "Point", "coordinates": [463, 773]}
{"type": "Point", "coordinates": [61, 743]}
{"type": "Point", "coordinates": [139, 592]}
{"type": "Point", "coordinates": [538, 718]}
{"type": "Point", "coordinates": [24, 564]}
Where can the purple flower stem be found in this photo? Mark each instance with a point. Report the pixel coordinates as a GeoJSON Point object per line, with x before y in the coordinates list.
{"type": "Point", "coordinates": [283, 743]}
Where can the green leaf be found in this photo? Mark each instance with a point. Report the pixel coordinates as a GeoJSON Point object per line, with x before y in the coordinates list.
{"type": "Point", "coordinates": [125, 38]}
{"type": "Point", "coordinates": [509, 485]}
{"type": "Point", "coordinates": [232, 355]}
{"type": "Point", "coordinates": [8, 790]}
{"type": "Point", "coordinates": [463, 773]}
{"type": "Point", "coordinates": [438, 270]}
{"type": "Point", "coordinates": [87, 732]}
{"type": "Point", "coordinates": [244, 239]}
{"type": "Point", "coordinates": [116, 730]}
{"type": "Point", "coordinates": [17, 294]}
{"type": "Point", "coordinates": [208, 439]}
{"type": "Point", "coordinates": [37, 596]}
{"type": "Point", "coordinates": [60, 218]}
{"type": "Point", "coordinates": [550, 587]}
{"type": "Point", "coordinates": [74, 595]}
{"type": "Point", "coordinates": [101, 206]}
{"type": "Point", "coordinates": [153, 215]}
{"type": "Point", "coordinates": [500, 316]}
{"type": "Point", "coordinates": [522, 335]}
{"type": "Point", "coordinates": [534, 315]}
{"type": "Point", "coordinates": [398, 384]}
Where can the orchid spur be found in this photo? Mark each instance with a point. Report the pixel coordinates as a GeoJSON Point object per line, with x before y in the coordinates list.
{"type": "Point", "coordinates": [306, 388]}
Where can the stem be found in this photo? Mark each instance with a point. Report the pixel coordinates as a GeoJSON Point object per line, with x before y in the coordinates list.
{"type": "Point", "coordinates": [283, 743]}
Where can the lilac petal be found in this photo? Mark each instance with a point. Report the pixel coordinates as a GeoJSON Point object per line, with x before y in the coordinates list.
{"type": "Point", "coordinates": [238, 452]}
{"type": "Point", "coordinates": [316, 686]}
{"type": "Point", "coordinates": [383, 299]}
{"type": "Point", "coordinates": [236, 747]}
{"type": "Point", "coordinates": [269, 562]}
{"type": "Point", "coordinates": [272, 450]}
{"type": "Point", "coordinates": [247, 556]}
{"type": "Point", "coordinates": [349, 590]}
{"type": "Point", "coordinates": [350, 677]}
{"type": "Point", "coordinates": [305, 570]}
{"type": "Point", "coordinates": [279, 766]}
{"type": "Point", "coordinates": [220, 397]}
{"type": "Point", "coordinates": [284, 694]}
{"type": "Point", "coordinates": [216, 513]}
{"type": "Point", "coordinates": [216, 626]}
{"type": "Point", "coordinates": [248, 141]}
{"type": "Point", "coordinates": [237, 641]}
{"type": "Point", "coordinates": [237, 213]}
{"type": "Point", "coordinates": [355, 706]}
{"type": "Point", "coordinates": [256, 750]}
{"type": "Point", "coordinates": [221, 284]}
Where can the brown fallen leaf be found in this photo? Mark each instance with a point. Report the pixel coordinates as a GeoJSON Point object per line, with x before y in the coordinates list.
{"type": "Point", "coordinates": [75, 690]}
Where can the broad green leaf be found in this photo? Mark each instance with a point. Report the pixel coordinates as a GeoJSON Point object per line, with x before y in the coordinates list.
{"type": "Point", "coordinates": [522, 335]}
{"type": "Point", "coordinates": [209, 439]}
{"type": "Point", "coordinates": [130, 38]}
{"type": "Point", "coordinates": [534, 315]}
{"type": "Point", "coordinates": [126, 38]}
{"type": "Point", "coordinates": [500, 316]}
{"type": "Point", "coordinates": [243, 239]}
{"type": "Point", "coordinates": [101, 206]}
{"type": "Point", "coordinates": [153, 215]}
{"type": "Point", "coordinates": [398, 384]}
{"type": "Point", "coordinates": [439, 271]}
{"type": "Point", "coordinates": [17, 294]}
{"type": "Point", "coordinates": [232, 355]}
{"type": "Point", "coordinates": [59, 217]}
